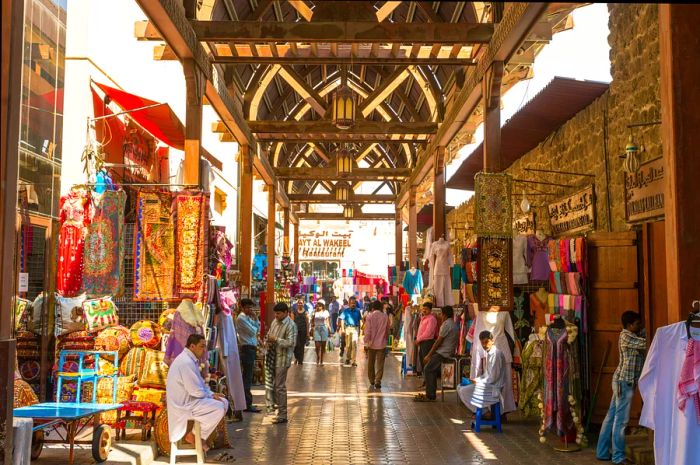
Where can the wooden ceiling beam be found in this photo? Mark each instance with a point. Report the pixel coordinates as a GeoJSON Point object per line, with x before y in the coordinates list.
{"type": "Point", "coordinates": [381, 92]}
{"type": "Point", "coordinates": [339, 216]}
{"type": "Point", "coordinates": [348, 32]}
{"type": "Point", "coordinates": [302, 8]}
{"type": "Point", "coordinates": [263, 6]}
{"type": "Point", "coordinates": [386, 10]}
{"type": "Point", "coordinates": [361, 127]}
{"type": "Point", "coordinates": [358, 174]}
{"type": "Point", "coordinates": [304, 89]}
{"type": "Point", "coordinates": [330, 198]}
{"type": "Point", "coordinates": [420, 139]}
{"type": "Point", "coordinates": [340, 61]}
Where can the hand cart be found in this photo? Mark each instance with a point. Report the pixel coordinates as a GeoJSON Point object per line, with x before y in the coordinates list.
{"type": "Point", "coordinates": [69, 419]}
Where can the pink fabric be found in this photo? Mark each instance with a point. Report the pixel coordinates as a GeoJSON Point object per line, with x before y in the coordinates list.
{"type": "Point", "coordinates": [428, 328]}
{"type": "Point", "coordinates": [689, 381]}
{"type": "Point", "coordinates": [228, 301]}
{"type": "Point", "coordinates": [376, 330]}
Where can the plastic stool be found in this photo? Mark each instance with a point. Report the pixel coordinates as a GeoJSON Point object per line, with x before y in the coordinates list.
{"type": "Point", "coordinates": [496, 422]}
{"type": "Point", "coordinates": [176, 452]}
{"type": "Point", "coordinates": [403, 365]}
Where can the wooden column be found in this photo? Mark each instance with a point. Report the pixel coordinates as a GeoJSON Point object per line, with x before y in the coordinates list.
{"type": "Point", "coordinates": [286, 251]}
{"type": "Point", "coordinates": [439, 194]}
{"type": "Point", "coordinates": [270, 289]}
{"type": "Point", "coordinates": [12, 28]}
{"type": "Point", "coordinates": [492, 117]}
{"type": "Point", "coordinates": [245, 221]}
{"type": "Point", "coordinates": [679, 43]}
{"type": "Point", "coordinates": [412, 228]}
{"type": "Point", "coordinates": [194, 83]}
{"type": "Point", "coordinates": [296, 244]}
{"type": "Point", "coordinates": [399, 237]}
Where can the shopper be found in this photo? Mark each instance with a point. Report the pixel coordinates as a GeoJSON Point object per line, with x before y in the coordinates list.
{"type": "Point", "coordinates": [443, 349]}
{"type": "Point", "coordinates": [632, 345]}
{"type": "Point", "coordinates": [334, 311]}
{"type": "Point", "coordinates": [320, 325]}
{"type": "Point", "coordinates": [376, 334]}
{"type": "Point", "coordinates": [301, 319]}
{"type": "Point", "coordinates": [427, 332]}
{"type": "Point", "coordinates": [485, 390]}
{"type": "Point", "coordinates": [350, 325]}
{"type": "Point", "coordinates": [281, 340]}
{"type": "Point", "coordinates": [340, 332]}
{"type": "Point", "coordinates": [248, 328]}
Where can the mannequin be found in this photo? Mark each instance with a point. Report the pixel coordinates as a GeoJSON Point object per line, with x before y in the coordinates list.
{"type": "Point", "coordinates": [540, 235]}
{"type": "Point", "coordinates": [441, 261]}
{"type": "Point", "coordinates": [520, 268]}
{"type": "Point", "coordinates": [538, 256]}
{"type": "Point", "coordinates": [413, 283]}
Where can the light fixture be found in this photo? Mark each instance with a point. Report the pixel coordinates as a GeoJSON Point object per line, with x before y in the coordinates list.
{"type": "Point", "coordinates": [631, 164]}
{"type": "Point", "coordinates": [525, 203]}
{"type": "Point", "coordinates": [345, 162]}
{"type": "Point", "coordinates": [342, 192]}
{"type": "Point", "coordinates": [343, 105]}
{"type": "Point", "coordinates": [348, 212]}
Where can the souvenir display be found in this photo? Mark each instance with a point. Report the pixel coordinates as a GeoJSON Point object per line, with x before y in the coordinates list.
{"type": "Point", "coordinates": [115, 338]}
{"type": "Point", "coordinates": [100, 313]}
{"type": "Point", "coordinates": [145, 333]}
{"type": "Point", "coordinates": [155, 371]}
{"type": "Point", "coordinates": [190, 234]}
{"type": "Point", "coordinates": [495, 278]}
{"type": "Point", "coordinates": [494, 208]}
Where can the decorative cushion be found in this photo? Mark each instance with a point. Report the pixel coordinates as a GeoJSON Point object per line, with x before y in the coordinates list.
{"type": "Point", "coordinates": [133, 362]}
{"type": "Point", "coordinates": [22, 309]}
{"type": "Point", "coordinates": [23, 394]}
{"type": "Point", "coordinates": [145, 333]}
{"type": "Point", "coordinates": [155, 371]}
{"type": "Point", "coordinates": [69, 314]}
{"type": "Point", "coordinates": [34, 324]}
{"type": "Point", "coordinates": [114, 338]}
{"type": "Point", "coordinates": [30, 370]}
{"type": "Point", "coordinates": [100, 313]}
{"type": "Point", "coordinates": [166, 319]}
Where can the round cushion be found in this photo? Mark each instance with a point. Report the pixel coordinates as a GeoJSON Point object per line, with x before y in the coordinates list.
{"type": "Point", "coordinates": [115, 338]}
{"type": "Point", "coordinates": [30, 370]}
{"type": "Point", "coordinates": [166, 319]}
{"type": "Point", "coordinates": [145, 333]}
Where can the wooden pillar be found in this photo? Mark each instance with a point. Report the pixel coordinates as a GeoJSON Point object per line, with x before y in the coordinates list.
{"type": "Point", "coordinates": [412, 228]}
{"type": "Point", "coordinates": [679, 43]}
{"type": "Point", "coordinates": [245, 221]}
{"type": "Point", "coordinates": [439, 194]}
{"type": "Point", "coordinates": [296, 244]}
{"type": "Point", "coordinates": [492, 117]}
{"type": "Point", "coordinates": [399, 237]}
{"type": "Point", "coordinates": [286, 251]}
{"type": "Point", "coordinates": [11, 91]}
{"type": "Point", "coordinates": [194, 83]}
{"type": "Point", "coordinates": [270, 289]}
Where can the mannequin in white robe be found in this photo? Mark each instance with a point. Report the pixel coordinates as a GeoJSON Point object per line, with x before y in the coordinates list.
{"type": "Point", "coordinates": [441, 261]}
{"type": "Point", "coordinates": [486, 389]}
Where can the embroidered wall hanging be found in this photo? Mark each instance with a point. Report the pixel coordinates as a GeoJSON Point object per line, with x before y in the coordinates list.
{"type": "Point", "coordinates": [103, 253]}
{"type": "Point", "coordinates": [191, 233]}
{"type": "Point", "coordinates": [74, 218]}
{"type": "Point", "coordinates": [494, 206]}
{"type": "Point", "coordinates": [495, 277]}
{"type": "Point", "coordinates": [154, 247]}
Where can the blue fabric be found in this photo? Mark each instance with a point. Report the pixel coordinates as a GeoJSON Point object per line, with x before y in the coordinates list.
{"type": "Point", "coordinates": [247, 329]}
{"type": "Point", "coordinates": [259, 264]}
{"type": "Point", "coordinates": [612, 433]}
{"type": "Point", "coordinates": [413, 283]}
{"type": "Point", "coordinates": [351, 317]}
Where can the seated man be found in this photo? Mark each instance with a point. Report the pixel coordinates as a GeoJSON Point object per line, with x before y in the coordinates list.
{"type": "Point", "coordinates": [486, 389]}
{"type": "Point", "coordinates": [189, 397]}
{"type": "Point", "coordinates": [443, 350]}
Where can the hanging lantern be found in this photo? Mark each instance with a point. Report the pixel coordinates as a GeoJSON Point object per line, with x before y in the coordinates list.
{"type": "Point", "coordinates": [343, 107]}
{"type": "Point", "coordinates": [525, 203]}
{"type": "Point", "coordinates": [631, 164]}
{"type": "Point", "coordinates": [345, 162]}
{"type": "Point", "coordinates": [342, 192]}
{"type": "Point", "coordinates": [348, 212]}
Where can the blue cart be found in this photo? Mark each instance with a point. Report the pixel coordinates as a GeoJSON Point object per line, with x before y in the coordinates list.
{"type": "Point", "coordinates": [69, 419]}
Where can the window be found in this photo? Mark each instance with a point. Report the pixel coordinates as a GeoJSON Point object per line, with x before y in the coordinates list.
{"type": "Point", "coordinates": [321, 269]}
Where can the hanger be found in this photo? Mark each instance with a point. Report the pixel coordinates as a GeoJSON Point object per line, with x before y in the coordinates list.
{"type": "Point", "coordinates": [693, 318]}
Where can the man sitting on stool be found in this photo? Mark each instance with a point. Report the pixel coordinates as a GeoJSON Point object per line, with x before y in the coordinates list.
{"type": "Point", "coordinates": [486, 390]}
{"type": "Point", "coordinates": [189, 397]}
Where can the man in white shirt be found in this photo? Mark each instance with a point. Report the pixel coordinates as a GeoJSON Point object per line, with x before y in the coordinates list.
{"type": "Point", "coordinates": [189, 397]}
{"type": "Point", "coordinates": [485, 390]}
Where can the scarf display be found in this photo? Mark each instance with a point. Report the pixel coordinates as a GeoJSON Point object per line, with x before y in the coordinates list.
{"type": "Point", "coordinates": [494, 209]}
{"type": "Point", "coordinates": [75, 218]}
{"type": "Point", "coordinates": [270, 367]}
{"type": "Point", "coordinates": [154, 246]}
{"type": "Point", "coordinates": [531, 383]}
{"type": "Point", "coordinates": [495, 279]}
{"type": "Point", "coordinates": [103, 253]}
{"type": "Point", "coordinates": [562, 382]}
{"type": "Point", "coordinates": [190, 233]}
{"type": "Point", "coordinates": [689, 381]}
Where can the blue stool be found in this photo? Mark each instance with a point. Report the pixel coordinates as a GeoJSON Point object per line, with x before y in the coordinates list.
{"type": "Point", "coordinates": [403, 365]}
{"type": "Point", "coordinates": [496, 422]}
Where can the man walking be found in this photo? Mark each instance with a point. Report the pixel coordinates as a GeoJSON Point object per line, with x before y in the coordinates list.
{"type": "Point", "coordinates": [248, 328]}
{"type": "Point", "coordinates": [632, 345]}
{"type": "Point", "coordinates": [281, 340]}
{"type": "Point", "coordinates": [334, 311]}
{"type": "Point", "coordinates": [442, 350]}
{"type": "Point", "coordinates": [350, 325]}
{"type": "Point", "coordinates": [376, 333]}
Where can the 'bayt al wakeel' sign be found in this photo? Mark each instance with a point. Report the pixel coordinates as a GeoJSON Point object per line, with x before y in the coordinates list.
{"type": "Point", "coordinates": [573, 214]}
{"type": "Point", "coordinates": [324, 244]}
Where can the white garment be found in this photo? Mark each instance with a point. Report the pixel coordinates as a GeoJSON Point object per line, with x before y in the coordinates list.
{"type": "Point", "coordinates": [320, 318]}
{"type": "Point", "coordinates": [189, 398]}
{"type": "Point", "coordinates": [408, 335]}
{"type": "Point", "coordinates": [502, 325]}
{"type": "Point", "coordinates": [676, 432]}
{"type": "Point", "coordinates": [487, 388]}
{"type": "Point", "coordinates": [441, 261]}
{"type": "Point", "coordinates": [228, 349]}
{"type": "Point", "coordinates": [442, 289]}
{"type": "Point", "coordinates": [520, 268]}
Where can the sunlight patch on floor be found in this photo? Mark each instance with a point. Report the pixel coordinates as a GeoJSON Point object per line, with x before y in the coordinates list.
{"type": "Point", "coordinates": [479, 446]}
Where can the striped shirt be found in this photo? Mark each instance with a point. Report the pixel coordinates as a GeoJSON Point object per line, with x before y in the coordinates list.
{"type": "Point", "coordinates": [631, 349]}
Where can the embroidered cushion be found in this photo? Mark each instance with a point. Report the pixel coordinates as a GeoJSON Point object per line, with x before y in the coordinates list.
{"type": "Point", "coordinates": [22, 309]}
{"type": "Point", "coordinates": [69, 314]}
{"type": "Point", "coordinates": [114, 338]}
{"type": "Point", "coordinates": [35, 324]}
{"type": "Point", "coordinates": [155, 371]}
{"type": "Point", "coordinates": [145, 333]}
{"type": "Point", "coordinates": [166, 319]}
{"type": "Point", "coordinates": [24, 395]}
{"type": "Point", "coordinates": [133, 362]}
{"type": "Point", "coordinates": [100, 313]}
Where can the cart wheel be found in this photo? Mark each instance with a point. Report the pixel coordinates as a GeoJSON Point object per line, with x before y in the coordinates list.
{"type": "Point", "coordinates": [101, 443]}
{"type": "Point", "coordinates": [37, 444]}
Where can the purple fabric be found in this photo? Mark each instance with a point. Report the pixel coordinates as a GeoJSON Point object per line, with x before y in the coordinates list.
{"type": "Point", "coordinates": [177, 339]}
{"type": "Point", "coordinates": [538, 258]}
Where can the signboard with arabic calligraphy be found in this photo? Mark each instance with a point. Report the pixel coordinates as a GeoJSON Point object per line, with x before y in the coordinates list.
{"type": "Point", "coordinates": [573, 214]}
{"type": "Point", "coordinates": [323, 244]}
{"type": "Point", "coordinates": [644, 192]}
{"type": "Point", "coordinates": [524, 225]}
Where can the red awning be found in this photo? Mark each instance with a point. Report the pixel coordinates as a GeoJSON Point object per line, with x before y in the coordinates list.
{"type": "Point", "coordinates": [110, 132]}
{"type": "Point", "coordinates": [159, 120]}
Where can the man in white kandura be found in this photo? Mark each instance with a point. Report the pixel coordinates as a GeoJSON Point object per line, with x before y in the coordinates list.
{"type": "Point", "coordinates": [189, 397]}
{"type": "Point", "coordinates": [486, 390]}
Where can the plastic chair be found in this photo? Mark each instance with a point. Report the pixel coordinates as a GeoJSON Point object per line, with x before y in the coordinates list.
{"type": "Point", "coordinates": [496, 422]}
{"type": "Point", "coordinates": [176, 452]}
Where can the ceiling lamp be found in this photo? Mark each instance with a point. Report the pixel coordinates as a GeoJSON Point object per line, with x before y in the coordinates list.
{"type": "Point", "coordinates": [631, 163]}
{"type": "Point", "coordinates": [345, 162]}
{"type": "Point", "coordinates": [348, 212]}
{"type": "Point", "coordinates": [343, 105]}
{"type": "Point", "coordinates": [525, 203]}
{"type": "Point", "coordinates": [342, 192]}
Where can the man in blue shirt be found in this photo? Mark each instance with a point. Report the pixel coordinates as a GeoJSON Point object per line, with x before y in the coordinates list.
{"type": "Point", "coordinates": [334, 311]}
{"type": "Point", "coordinates": [248, 327]}
{"type": "Point", "coordinates": [349, 321]}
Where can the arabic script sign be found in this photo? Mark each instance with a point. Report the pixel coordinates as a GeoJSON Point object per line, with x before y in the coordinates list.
{"type": "Point", "coordinates": [573, 214]}
{"type": "Point", "coordinates": [319, 244]}
{"type": "Point", "coordinates": [524, 224]}
{"type": "Point", "coordinates": [644, 192]}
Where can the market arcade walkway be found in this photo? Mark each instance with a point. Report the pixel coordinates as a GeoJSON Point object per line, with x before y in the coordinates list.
{"type": "Point", "coordinates": [334, 419]}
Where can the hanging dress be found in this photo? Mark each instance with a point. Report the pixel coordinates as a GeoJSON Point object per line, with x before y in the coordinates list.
{"type": "Point", "coordinates": [75, 218]}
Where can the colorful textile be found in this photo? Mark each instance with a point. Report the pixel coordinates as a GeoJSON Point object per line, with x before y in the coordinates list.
{"type": "Point", "coordinates": [155, 370]}
{"type": "Point", "coordinates": [154, 247]}
{"type": "Point", "coordinates": [74, 218]}
{"type": "Point", "coordinates": [145, 333]}
{"type": "Point", "coordinates": [24, 395]}
{"type": "Point", "coordinates": [22, 308]}
{"type": "Point", "coordinates": [100, 314]}
{"type": "Point", "coordinates": [494, 208]}
{"type": "Point", "coordinates": [177, 339]}
{"type": "Point", "coordinates": [539, 258]}
{"type": "Point", "coordinates": [689, 382]}
{"type": "Point", "coordinates": [190, 232]}
{"type": "Point", "coordinates": [495, 279]}
{"type": "Point", "coordinates": [103, 253]}
{"type": "Point", "coordinates": [532, 378]}
{"type": "Point", "coordinates": [561, 380]}
{"type": "Point", "coordinates": [115, 338]}
{"type": "Point", "coordinates": [133, 363]}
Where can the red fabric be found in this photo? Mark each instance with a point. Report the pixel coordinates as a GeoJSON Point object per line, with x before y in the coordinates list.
{"type": "Point", "coordinates": [160, 121]}
{"type": "Point", "coordinates": [109, 131]}
{"type": "Point", "coordinates": [74, 218]}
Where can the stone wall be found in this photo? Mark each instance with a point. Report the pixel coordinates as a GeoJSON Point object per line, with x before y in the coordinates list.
{"type": "Point", "coordinates": [600, 132]}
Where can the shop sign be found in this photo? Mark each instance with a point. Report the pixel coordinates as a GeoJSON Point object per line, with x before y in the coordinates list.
{"type": "Point", "coordinates": [644, 192]}
{"type": "Point", "coordinates": [23, 284]}
{"type": "Point", "coordinates": [524, 225]}
{"type": "Point", "coordinates": [573, 214]}
{"type": "Point", "coordinates": [323, 244]}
